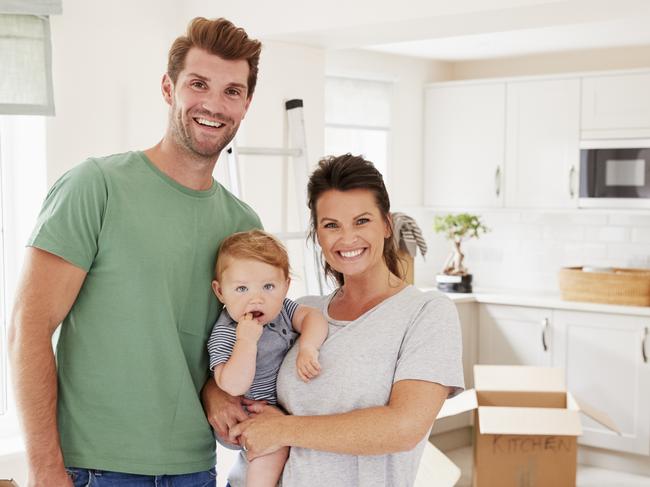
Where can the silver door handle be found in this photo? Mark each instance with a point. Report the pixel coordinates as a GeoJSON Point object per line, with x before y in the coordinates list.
{"type": "Point", "coordinates": [643, 352]}
{"type": "Point", "coordinates": [572, 173]}
{"type": "Point", "coordinates": [544, 328]}
{"type": "Point", "coordinates": [497, 181]}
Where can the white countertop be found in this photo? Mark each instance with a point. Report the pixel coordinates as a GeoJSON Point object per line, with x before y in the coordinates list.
{"type": "Point", "coordinates": [541, 300]}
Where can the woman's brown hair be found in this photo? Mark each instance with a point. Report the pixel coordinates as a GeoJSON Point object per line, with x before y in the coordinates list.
{"type": "Point", "coordinates": [220, 37]}
{"type": "Point", "coordinates": [344, 173]}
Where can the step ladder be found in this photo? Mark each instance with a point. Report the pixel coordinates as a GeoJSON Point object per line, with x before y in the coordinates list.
{"type": "Point", "coordinates": [297, 150]}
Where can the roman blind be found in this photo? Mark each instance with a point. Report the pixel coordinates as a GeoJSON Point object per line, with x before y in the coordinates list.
{"type": "Point", "coordinates": [26, 56]}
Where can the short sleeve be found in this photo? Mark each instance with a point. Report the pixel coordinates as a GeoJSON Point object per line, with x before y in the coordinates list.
{"type": "Point", "coordinates": [432, 347]}
{"type": "Point", "coordinates": [222, 340]}
{"type": "Point", "coordinates": [289, 307]}
{"type": "Point", "coordinates": [71, 216]}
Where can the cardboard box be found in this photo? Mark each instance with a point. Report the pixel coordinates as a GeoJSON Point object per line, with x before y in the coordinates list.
{"type": "Point", "coordinates": [8, 483]}
{"type": "Point", "coordinates": [526, 426]}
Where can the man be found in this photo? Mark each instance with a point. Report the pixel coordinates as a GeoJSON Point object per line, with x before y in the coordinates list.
{"type": "Point", "coordinates": [122, 255]}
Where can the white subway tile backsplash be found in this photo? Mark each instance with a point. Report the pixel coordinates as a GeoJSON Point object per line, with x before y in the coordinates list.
{"type": "Point", "coordinates": [563, 232]}
{"type": "Point", "coordinates": [498, 218]}
{"type": "Point", "coordinates": [635, 220]}
{"type": "Point", "coordinates": [565, 218]}
{"type": "Point", "coordinates": [629, 255]}
{"type": "Point", "coordinates": [525, 249]}
{"type": "Point", "coordinates": [581, 254]}
{"type": "Point", "coordinates": [641, 234]}
{"type": "Point", "coordinates": [607, 234]}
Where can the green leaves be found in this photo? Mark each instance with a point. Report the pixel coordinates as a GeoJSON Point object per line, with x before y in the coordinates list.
{"type": "Point", "coordinates": [460, 226]}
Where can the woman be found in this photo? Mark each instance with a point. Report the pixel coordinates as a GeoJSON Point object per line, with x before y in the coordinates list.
{"type": "Point", "coordinates": [392, 357]}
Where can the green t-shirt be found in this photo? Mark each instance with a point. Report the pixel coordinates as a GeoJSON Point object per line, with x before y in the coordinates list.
{"type": "Point", "coordinates": [131, 356]}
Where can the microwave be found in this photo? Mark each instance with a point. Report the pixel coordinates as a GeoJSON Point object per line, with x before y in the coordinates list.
{"type": "Point", "coordinates": [615, 174]}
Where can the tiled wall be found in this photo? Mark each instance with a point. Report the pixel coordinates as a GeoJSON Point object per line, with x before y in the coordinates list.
{"type": "Point", "coordinates": [525, 249]}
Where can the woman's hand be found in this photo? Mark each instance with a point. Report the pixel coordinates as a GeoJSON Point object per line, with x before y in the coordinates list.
{"type": "Point", "coordinates": [261, 433]}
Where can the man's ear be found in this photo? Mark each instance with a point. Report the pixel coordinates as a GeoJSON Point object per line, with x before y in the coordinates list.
{"type": "Point", "coordinates": [246, 105]}
{"type": "Point", "coordinates": [167, 88]}
{"type": "Point", "coordinates": [216, 287]}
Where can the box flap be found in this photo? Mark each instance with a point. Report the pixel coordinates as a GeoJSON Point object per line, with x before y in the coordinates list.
{"type": "Point", "coordinates": [595, 414]}
{"type": "Point", "coordinates": [436, 470]}
{"type": "Point", "coordinates": [518, 378]}
{"type": "Point", "coordinates": [528, 421]}
{"type": "Point", "coordinates": [465, 401]}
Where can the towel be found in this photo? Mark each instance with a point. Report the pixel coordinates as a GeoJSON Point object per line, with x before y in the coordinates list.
{"type": "Point", "coordinates": [407, 234]}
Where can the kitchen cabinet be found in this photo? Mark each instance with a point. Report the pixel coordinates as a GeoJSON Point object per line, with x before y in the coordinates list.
{"type": "Point", "coordinates": [514, 335]}
{"type": "Point", "coordinates": [464, 151]}
{"type": "Point", "coordinates": [513, 144]}
{"type": "Point", "coordinates": [467, 315]}
{"type": "Point", "coordinates": [605, 357]}
{"type": "Point", "coordinates": [542, 153]}
{"type": "Point", "coordinates": [616, 105]}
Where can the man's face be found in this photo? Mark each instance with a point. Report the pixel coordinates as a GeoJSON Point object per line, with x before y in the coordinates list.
{"type": "Point", "coordinates": [208, 102]}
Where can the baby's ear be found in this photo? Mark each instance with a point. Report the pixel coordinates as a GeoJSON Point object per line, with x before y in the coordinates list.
{"type": "Point", "coordinates": [216, 287]}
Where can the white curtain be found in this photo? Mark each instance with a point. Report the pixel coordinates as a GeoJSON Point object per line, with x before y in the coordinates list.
{"type": "Point", "coordinates": [25, 57]}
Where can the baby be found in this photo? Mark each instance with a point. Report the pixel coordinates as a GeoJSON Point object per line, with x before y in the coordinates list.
{"type": "Point", "coordinates": [257, 327]}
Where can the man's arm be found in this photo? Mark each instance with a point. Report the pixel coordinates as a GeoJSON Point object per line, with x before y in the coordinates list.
{"type": "Point", "coordinates": [222, 410]}
{"type": "Point", "coordinates": [47, 290]}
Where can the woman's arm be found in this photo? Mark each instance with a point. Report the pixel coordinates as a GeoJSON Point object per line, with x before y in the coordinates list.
{"type": "Point", "coordinates": [398, 426]}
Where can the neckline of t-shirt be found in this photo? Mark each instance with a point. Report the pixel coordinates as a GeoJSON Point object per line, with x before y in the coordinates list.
{"type": "Point", "coordinates": [347, 322]}
{"type": "Point", "coordinates": [175, 184]}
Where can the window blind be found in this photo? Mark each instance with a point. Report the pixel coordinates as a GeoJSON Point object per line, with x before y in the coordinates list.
{"type": "Point", "coordinates": [25, 57]}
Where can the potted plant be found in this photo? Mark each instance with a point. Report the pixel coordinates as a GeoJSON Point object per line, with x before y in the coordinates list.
{"type": "Point", "coordinates": [455, 277]}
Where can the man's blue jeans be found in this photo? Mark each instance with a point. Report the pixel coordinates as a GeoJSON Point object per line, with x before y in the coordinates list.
{"type": "Point", "coordinates": [82, 477]}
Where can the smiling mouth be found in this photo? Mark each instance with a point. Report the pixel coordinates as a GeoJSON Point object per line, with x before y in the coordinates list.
{"type": "Point", "coordinates": [351, 254]}
{"type": "Point", "coordinates": [208, 123]}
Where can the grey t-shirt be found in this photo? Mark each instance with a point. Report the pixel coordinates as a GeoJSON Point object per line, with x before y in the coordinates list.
{"type": "Point", "coordinates": [278, 336]}
{"type": "Point", "coordinates": [411, 335]}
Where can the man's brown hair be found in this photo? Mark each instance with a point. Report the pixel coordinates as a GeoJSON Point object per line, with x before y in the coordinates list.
{"type": "Point", "coordinates": [253, 245]}
{"type": "Point", "coordinates": [220, 37]}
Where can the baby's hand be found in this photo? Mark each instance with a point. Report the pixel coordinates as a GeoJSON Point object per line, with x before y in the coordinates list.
{"type": "Point", "coordinates": [249, 328]}
{"type": "Point", "coordinates": [307, 363]}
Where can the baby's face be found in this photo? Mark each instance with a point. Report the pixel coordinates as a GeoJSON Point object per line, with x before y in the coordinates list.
{"type": "Point", "coordinates": [251, 286]}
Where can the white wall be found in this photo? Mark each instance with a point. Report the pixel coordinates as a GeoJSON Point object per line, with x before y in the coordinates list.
{"type": "Point", "coordinates": [551, 63]}
{"type": "Point", "coordinates": [408, 76]}
{"type": "Point", "coordinates": [286, 71]}
{"type": "Point", "coordinates": [108, 60]}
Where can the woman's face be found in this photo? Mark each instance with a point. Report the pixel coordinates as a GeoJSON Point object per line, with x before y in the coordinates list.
{"type": "Point", "coordinates": [351, 230]}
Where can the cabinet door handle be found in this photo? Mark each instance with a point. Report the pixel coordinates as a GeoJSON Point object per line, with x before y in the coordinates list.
{"type": "Point", "coordinates": [643, 352]}
{"type": "Point", "coordinates": [572, 173]}
{"type": "Point", "coordinates": [497, 181]}
{"type": "Point", "coordinates": [544, 328]}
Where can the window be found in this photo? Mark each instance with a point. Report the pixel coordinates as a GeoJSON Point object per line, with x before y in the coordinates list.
{"type": "Point", "coordinates": [23, 187]}
{"type": "Point", "coordinates": [25, 89]}
{"type": "Point", "coordinates": [357, 118]}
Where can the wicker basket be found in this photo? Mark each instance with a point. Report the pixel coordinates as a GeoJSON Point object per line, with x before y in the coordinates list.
{"type": "Point", "coordinates": [622, 286]}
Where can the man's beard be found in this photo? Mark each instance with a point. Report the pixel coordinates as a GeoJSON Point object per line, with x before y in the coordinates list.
{"type": "Point", "coordinates": [184, 136]}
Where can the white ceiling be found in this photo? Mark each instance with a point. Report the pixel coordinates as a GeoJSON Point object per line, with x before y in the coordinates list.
{"type": "Point", "coordinates": [442, 29]}
{"type": "Point", "coordinates": [616, 33]}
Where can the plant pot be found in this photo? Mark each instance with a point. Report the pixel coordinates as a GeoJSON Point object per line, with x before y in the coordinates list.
{"type": "Point", "coordinates": [454, 284]}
